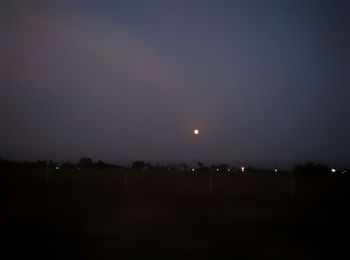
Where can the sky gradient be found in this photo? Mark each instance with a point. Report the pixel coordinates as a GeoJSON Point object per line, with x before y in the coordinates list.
{"type": "Point", "coordinates": [266, 82]}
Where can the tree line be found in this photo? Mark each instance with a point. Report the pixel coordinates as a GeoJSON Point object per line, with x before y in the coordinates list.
{"type": "Point", "coordinates": [88, 164]}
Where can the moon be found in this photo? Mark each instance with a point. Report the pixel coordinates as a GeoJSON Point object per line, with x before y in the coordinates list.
{"type": "Point", "coordinates": [196, 131]}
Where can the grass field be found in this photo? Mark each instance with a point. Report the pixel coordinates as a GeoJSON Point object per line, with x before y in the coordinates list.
{"type": "Point", "coordinates": [172, 215]}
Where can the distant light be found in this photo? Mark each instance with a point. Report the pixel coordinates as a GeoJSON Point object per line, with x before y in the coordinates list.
{"type": "Point", "coordinates": [333, 170]}
{"type": "Point", "coordinates": [57, 168]}
{"type": "Point", "coordinates": [242, 169]}
{"type": "Point", "coordinates": [228, 170]}
{"type": "Point", "coordinates": [217, 169]}
{"type": "Point", "coordinates": [196, 131]}
{"type": "Point", "coordinates": [276, 170]}
{"type": "Point", "coordinates": [193, 169]}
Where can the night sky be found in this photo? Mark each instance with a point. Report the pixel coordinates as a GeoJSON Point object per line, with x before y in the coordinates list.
{"type": "Point", "coordinates": [266, 82]}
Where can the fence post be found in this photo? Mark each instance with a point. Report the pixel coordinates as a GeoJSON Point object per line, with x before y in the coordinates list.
{"type": "Point", "coordinates": [292, 186]}
{"type": "Point", "coordinates": [47, 176]}
{"type": "Point", "coordinates": [125, 181]}
{"type": "Point", "coordinates": [210, 185]}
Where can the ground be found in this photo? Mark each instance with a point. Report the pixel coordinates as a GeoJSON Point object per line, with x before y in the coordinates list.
{"type": "Point", "coordinates": [172, 215]}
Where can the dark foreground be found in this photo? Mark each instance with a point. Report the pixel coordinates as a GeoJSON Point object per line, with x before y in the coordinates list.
{"type": "Point", "coordinates": [95, 215]}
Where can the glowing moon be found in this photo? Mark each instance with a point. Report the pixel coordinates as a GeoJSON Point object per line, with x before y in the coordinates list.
{"type": "Point", "coordinates": [196, 131]}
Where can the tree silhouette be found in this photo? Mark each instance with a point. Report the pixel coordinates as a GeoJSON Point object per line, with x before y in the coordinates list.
{"type": "Point", "coordinates": [310, 168]}
{"type": "Point", "coordinates": [85, 163]}
{"type": "Point", "coordinates": [138, 165]}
